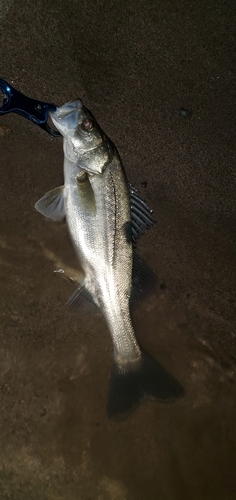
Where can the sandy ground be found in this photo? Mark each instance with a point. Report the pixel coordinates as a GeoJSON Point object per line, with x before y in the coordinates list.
{"type": "Point", "coordinates": [134, 63]}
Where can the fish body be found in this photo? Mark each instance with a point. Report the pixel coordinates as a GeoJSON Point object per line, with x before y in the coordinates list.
{"type": "Point", "coordinates": [105, 252]}
{"type": "Point", "coordinates": [105, 216]}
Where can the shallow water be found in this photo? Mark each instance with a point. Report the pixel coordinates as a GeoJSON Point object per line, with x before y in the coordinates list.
{"type": "Point", "coordinates": [134, 64]}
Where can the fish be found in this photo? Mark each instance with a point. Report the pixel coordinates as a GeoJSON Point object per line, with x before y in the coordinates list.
{"type": "Point", "coordinates": [105, 216]}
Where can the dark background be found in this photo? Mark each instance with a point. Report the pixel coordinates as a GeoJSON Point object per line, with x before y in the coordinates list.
{"type": "Point", "coordinates": [134, 63]}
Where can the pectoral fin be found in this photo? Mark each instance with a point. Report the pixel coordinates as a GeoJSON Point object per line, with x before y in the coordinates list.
{"type": "Point", "coordinates": [52, 204]}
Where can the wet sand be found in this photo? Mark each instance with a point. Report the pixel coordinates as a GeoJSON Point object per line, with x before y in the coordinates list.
{"type": "Point", "coordinates": [134, 64]}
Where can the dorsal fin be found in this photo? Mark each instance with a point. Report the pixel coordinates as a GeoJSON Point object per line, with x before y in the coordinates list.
{"type": "Point", "coordinates": [143, 279]}
{"type": "Point", "coordinates": [141, 215]}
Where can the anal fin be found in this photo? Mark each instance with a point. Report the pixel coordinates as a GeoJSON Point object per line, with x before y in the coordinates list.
{"type": "Point", "coordinates": [80, 296]}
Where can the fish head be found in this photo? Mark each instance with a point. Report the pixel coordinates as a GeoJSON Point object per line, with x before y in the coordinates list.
{"type": "Point", "coordinates": [84, 141]}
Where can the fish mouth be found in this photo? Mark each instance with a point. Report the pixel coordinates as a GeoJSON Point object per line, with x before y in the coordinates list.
{"type": "Point", "coordinates": [68, 108]}
{"type": "Point", "coordinates": [65, 118]}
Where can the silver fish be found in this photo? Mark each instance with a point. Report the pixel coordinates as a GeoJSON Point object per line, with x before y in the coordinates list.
{"type": "Point", "coordinates": [105, 217]}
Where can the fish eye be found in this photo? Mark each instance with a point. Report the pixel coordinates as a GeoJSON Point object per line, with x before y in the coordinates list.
{"type": "Point", "coordinates": [87, 125]}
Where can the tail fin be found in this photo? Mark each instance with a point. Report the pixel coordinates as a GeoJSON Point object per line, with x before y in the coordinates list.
{"type": "Point", "coordinates": [143, 379]}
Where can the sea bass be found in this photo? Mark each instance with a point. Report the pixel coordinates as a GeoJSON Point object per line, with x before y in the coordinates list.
{"type": "Point", "coordinates": [105, 216]}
